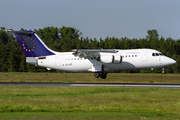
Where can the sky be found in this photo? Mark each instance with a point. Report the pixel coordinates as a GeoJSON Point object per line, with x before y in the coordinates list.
{"type": "Point", "coordinates": [95, 18]}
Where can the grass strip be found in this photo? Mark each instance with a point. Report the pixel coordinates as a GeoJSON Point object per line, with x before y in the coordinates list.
{"type": "Point", "coordinates": [89, 77]}
{"type": "Point", "coordinates": [86, 115]}
{"type": "Point", "coordinates": [90, 99]}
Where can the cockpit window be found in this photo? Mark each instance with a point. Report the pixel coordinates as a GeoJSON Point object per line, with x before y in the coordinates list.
{"type": "Point", "coordinates": [157, 54]}
{"type": "Point", "coordinates": [161, 54]}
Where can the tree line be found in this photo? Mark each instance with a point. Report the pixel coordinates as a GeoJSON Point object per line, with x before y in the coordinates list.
{"type": "Point", "coordinates": [12, 58]}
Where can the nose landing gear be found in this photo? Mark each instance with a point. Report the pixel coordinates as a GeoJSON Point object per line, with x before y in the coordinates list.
{"type": "Point", "coordinates": [102, 75]}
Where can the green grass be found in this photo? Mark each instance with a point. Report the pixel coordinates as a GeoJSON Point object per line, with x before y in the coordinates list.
{"type": "Point", "coordinates": [28, 102]}
{"type": "Point", "coordinates": [86, 115]}
{"type": "Point", "coordinates": [89, 77]}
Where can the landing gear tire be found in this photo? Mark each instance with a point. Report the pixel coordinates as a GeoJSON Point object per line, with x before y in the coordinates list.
{"type": "Point", "coordinates": [103, 76]}
{"type": "Point", "coordinates": [96, 74]}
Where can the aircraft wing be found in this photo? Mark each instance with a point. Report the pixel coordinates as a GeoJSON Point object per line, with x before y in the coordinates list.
{"type": "Point", "coordinates": [91, 53]}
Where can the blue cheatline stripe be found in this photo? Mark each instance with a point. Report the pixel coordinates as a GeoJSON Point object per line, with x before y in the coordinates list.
{"type": "Point", "coordinates": [31, 45]}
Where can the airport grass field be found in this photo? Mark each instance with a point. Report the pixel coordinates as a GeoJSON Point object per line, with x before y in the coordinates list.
{"type": "Point", "coordinates": [89, 77]}
{"type": "Point", "coordinates": [30, 102]}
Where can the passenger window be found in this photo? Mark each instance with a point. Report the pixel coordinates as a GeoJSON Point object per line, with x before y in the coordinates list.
{"type": "Point", "coordinates": [71, 58]}
{"type": "Point", "coordinates": [153, 54]}
{"type": "Point", "coordinates": [129, 55]}
{"type": "Point", "coordinates": [132, 55]}
{"type": "Point", "coordinates": [74, 58]}
{"type": "Point", "coordinates": [68, 58]}
{"type": "Point", "coordinates": [126, 55]}
{"type": "Point", "coordinates": [77, 58]}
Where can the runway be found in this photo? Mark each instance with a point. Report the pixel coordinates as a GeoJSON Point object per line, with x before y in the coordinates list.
{"type": "Point", "coordinates": [61, 84]}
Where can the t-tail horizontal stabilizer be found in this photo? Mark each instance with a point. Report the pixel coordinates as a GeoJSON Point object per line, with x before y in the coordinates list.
{"type": "Point", "coordinates": [31, 44]}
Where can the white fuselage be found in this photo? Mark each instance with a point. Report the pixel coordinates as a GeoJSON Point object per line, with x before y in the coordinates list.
{"type": "Point", "coordinates": [131, 59]}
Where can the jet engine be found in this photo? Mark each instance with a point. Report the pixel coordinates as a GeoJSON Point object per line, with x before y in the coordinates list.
{"type": "Point", "coordinates": [106, 58]}
{"type": "Point", "coordinates": [116, 59]}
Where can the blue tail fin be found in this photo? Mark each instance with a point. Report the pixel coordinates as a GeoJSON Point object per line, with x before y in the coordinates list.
{"type": "Point", "coordinates": [31, 44]}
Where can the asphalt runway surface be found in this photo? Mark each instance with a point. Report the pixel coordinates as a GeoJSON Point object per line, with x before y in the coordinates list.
{"type": "Point", "coordinates": [62, 84]}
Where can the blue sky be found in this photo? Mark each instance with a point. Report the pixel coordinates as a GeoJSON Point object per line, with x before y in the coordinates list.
{"type": "Point", "coordinates": [95, 18]}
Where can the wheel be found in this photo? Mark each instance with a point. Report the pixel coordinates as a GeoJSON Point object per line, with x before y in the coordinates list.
{"type": "Point", "coordinates": [103, 76]}
{"type": "Point", "coordinates": [96, 74]}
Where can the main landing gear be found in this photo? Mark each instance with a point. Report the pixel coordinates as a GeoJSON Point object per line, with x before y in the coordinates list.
{"type": "Point", "coordinates": [102, 75]}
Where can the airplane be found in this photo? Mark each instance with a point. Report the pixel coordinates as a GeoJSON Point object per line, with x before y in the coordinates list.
{"type": "Point", "coordinates": [98, 61]}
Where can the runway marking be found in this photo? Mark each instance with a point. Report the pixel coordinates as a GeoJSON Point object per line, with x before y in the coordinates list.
{"type": "Point", "coordinates": [125, 85]}
{"type": "Point", "coordinates": [61, 84]}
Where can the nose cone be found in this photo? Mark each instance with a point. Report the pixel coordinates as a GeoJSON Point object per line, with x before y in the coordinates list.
{"type": "Point", "coordinates": [168, 61]}
{"type": "Point", "coordinates": [171, 62]}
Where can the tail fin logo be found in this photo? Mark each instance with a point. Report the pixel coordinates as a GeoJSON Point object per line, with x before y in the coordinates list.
{"type": "Point", "coordinates": [29, 42]}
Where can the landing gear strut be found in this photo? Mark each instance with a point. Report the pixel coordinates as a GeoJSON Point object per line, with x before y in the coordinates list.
{"type": "Point", "coordinates": [102, 75]}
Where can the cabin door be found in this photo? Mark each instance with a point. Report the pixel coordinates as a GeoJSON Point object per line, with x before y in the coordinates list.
{"type": "Point", "coordinates": [144, 57]}
{"type": "Point", "coordinates": [58, 61]}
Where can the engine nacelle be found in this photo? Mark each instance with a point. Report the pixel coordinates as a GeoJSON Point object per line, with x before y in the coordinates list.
{"type": "Point", "coordinates": [117, 59]}
{"type": "Point", "coordinates": [107, 58]}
